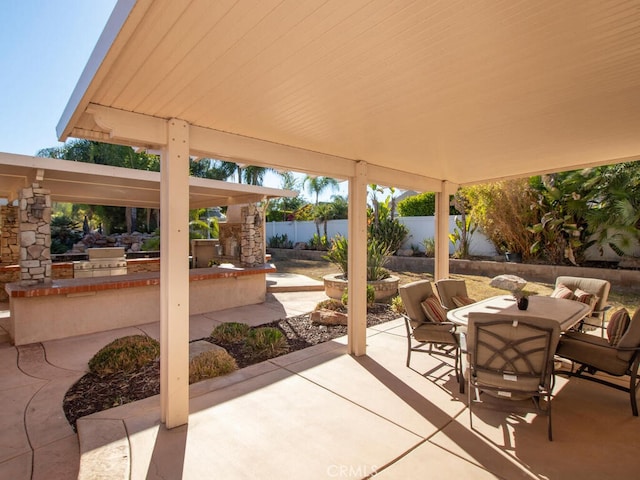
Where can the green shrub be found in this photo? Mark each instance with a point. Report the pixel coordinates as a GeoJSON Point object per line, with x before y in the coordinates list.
{"type": "Point", "coordinates": [318, 243]}
{"type": "Point", "coordinates": [151, 244]}
{"type": "Point", "coordinates": [64, 233]}
{"type": "Point", "coordinates": [230, 332]}
{"type": "Point", "coordinates": [266, 342]}
{"type": "Point", "coordinates": [279, 241]}
{"type": "Point", "coordinates": [125, 354]}
{"type": "Point", "coordinates": [397, 305]}
{"type": "Point", "coordinates": [213, 363]}
{"type": "Point", "coordinates": [421, 205]}
{"type": "Point", "coordinates": [429, 247]}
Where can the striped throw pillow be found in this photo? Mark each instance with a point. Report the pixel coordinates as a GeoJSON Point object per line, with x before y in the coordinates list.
{"type": "Point", "coordinates": [586, 297]}
{"type": "Point", "coordinates": [562, 291]}
{"type": "Point", "coordinates": [460, 301]}
{"type": "Point", "coordinates": [433, 310]}
{"type": "Point", "coordinates": [618, 325]}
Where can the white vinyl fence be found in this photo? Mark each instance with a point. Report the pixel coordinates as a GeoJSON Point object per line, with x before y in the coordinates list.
{"type": "Point", "coordinates": [420, 228]}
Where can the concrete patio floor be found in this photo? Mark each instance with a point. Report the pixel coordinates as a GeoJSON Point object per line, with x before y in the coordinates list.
{"type": "Point", "coordinates": [315, 413]}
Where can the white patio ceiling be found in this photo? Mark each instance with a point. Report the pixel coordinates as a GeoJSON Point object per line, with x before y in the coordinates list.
{"type": "Point", "coordinates": [77, 182]}
{"type": "Point", "coordinates": [463, 91]}
{"type": "Point", "coordinates": [424, 95]}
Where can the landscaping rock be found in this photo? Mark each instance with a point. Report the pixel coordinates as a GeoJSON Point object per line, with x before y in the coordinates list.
{"type": "Point", "coordinates": [201, 346]}
{"type": "Point", "coordinates": [328, 317]}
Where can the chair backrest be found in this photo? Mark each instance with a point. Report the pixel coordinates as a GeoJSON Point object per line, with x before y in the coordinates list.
{"type": "Point", "coordinates": [512, 354]}
{"type": "Point", "coordinates": [631, 338]}
{"type": "Point", "coordinates": [596, 286]}
{"type": "Point", "coordinates": [412, 295]}
{"type": "Point", "coordinates": [448, 288]}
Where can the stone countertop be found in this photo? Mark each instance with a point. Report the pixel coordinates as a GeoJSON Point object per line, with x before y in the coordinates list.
{"type": "Point", "coordinates": [81, 285]}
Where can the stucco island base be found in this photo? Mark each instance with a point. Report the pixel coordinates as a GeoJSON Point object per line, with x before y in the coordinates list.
{"type": "Point", "coordinates": [66, 308]}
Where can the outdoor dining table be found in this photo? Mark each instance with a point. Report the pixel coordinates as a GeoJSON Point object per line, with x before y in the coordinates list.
{"type": "Point", "coordinates": [566, 312]}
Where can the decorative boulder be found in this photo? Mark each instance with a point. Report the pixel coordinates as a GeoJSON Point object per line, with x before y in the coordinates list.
{"type": "Point", "coordinates": [512, 283]}
{"type": "Point", "coordinates": [328, 317]}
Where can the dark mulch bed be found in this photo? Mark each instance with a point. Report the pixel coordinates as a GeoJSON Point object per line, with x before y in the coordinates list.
{"type": "Point", "coordinates": [93, 393]}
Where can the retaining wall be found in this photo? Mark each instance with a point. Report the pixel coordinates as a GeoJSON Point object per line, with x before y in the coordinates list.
{"type": "Point", "coordinates": [628, 280]}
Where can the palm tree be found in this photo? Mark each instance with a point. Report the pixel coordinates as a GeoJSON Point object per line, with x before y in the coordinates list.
{"type": "Point", "coordinates": [87, 151]}
{"type": "Point", "coordinates": [317, 185]}
{"type": "Point", "coordinates": [212, 168]}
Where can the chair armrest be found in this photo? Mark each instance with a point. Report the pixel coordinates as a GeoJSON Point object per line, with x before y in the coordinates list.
{"type": "Point", "coordinates": [436, 326]}
{"type": "Point", "coordinates": [603, 310]}
{"type": "Point", "coordinates": [591, 340]}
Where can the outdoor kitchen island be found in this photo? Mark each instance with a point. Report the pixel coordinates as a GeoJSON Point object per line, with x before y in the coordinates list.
{"type": "Point", "coordinates": [69, 307]}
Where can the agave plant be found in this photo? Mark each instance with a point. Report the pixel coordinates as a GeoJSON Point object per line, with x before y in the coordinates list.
{"type": "Point", "coordinates": [377, 254]}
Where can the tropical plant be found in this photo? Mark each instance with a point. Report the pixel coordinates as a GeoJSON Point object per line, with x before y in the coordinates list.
{"type": "Point", "coordinates": [614, 213]}
{"type": "Point", "coordinates": [429, 247]}
{"type": "Point", "coordinates": [65, 232]}
{"type": "Point", "coordinates": [318, 243]}
{"type": "Point", "coordinates": [283, 209]}
{"type": "Point", "coordinates": [322, 213]}
{"type": "Point", "coordinates": [383, 226]}
{"type": "Point", "coordinates": [397, 305]}
{"type": "Point", "coordinates": [338, 254]}
{"type": "Point", "coordinates": [340, 207]}
{"type": "Point", "coordinates": [211, 168]}
{"type": "Point", "coordinates": [377, 254]}
{"type": "Point", "coordinates": [114, 219]}
{"type": "Point", "coordinates": [461, 236]}
{"type": "Point", "coordinates": [317, 185]}
{"type": "Point", "coordinates": [279, 241]}
{"type": "Point", "coordinates": [201, 226]}
{"type": "Point", "coordinates": [563, 230]}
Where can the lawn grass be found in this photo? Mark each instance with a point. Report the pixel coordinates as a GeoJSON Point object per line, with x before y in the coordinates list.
{"type": "Point", "coordinates": [477, 286]}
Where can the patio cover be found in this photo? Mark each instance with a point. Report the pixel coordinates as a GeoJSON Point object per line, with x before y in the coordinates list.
{"type": "Point", "coordinates": [77, 182]}
{"type": "Point", "coordinates": [418, 95]}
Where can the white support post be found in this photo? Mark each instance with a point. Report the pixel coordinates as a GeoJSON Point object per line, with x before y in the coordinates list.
{"type": "Point", "coordinates": [357, 321]}
{"type": "Point", "coordinates": [174, 276]}
{"type": "Point", "coordinates": [442, 230]}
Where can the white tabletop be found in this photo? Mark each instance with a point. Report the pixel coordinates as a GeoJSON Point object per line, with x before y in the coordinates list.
{"type": "Point", "coordinates": [566, 312]}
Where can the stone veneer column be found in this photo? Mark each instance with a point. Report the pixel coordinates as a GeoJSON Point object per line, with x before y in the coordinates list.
{"type": "Point", "coordinates": [9, 244]}
{"type": "Point", "coordinates": [35, 235]}
{"type": "Point", "coordinates": [252, 238]}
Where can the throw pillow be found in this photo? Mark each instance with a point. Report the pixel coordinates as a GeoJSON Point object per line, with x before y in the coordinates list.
{"type": "Point", "coordinates": [460, 301]}
{"type": "Point", "coordinates": [433, 310]}
{"type": "Point", "coordinates": [618, 325]}
{"type": "Point", "coordinates": [562, 291]}
{"type": "Point", "coordinates": [586, 297]}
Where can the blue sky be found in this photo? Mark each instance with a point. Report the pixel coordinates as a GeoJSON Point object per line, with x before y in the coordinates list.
{"type": "Point", "coordinates": [44, 46]}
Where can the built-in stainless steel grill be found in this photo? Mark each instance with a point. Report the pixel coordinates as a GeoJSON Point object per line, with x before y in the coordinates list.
{"type": "Point", "coordinates": [102, 262]}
